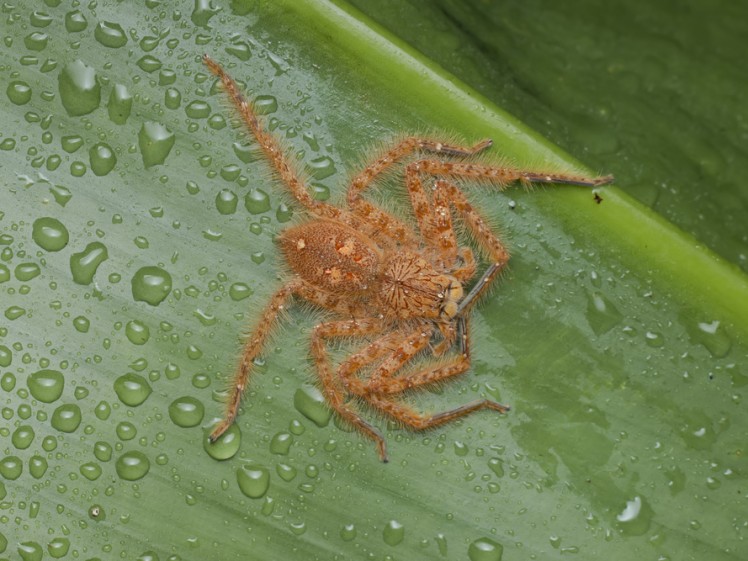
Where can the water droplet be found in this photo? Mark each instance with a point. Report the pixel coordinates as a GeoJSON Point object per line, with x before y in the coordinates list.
{"type": "Point", "coordinates": [132, 465]}
{"type": "Point", "coordinates": [91, 471]}
{"type": "Point", "coordinates": [71, 143]}
{"type": "Point", "coordinates": [26, 271]}
{"type": "Point", "coordinates": [485, 549]}
{"type": "Point", "coordinates": [240, 50]}
{"type": "Point", "coordinates": [226, 201]}
{"type": "Point", "coordinates": [19, 92]}
{"type": "Point", "coordinates": [75, 21]}
{"type": "Point", "coordinates": [602, 314]}
{"type": "Point", "coordinates": [126, 431]}
{"type": "Point", "coordinates": [83, 265]}
{"type": "Point", "coordinates": [102, 410]}
{"type": "Point", "coordinates": [11, 467]}
{"type": "Point", "coordinates": [110, 34]}
{"type": "Point", "coordinates": [654, 339]}
{"type": "Point", "coordinates": [393, 533]}
{"type": "Point", "coordinates": [14, 312]}
{"type": "Point", "coordinates": [149, 63]}
{"type": "Point", "coordinates": [713, 336]}
{"type": "Point", "coordinates": [265, 104]}
{"type": "Point", "coordinates": [285, 472]}
{"type": "Point", "coordinates": [283, 213]}
{"type": "Point", "coordinates": [253, 479]}
{"type": "Point", "coordinates": [186, 411]}
{"type": "Point", "coordinates": [36, 41]}
{"type": "Point", "coordinates": [6, 357]}
{"type": "Point", "coordinates": [320, 192]}
{"type": "Point", "coordinates": [202, 12]}
{"type": "Point", "coordinates": [240, 291]}
{"type": "Point", "coordinates": [38, 466]}
{"type": "Point", "coordinates": [4, 273]}
{"type": "Point", "coordinates": [46, 385]}
{"type": "Point", "coordinates": [310, 402]}
{"type": "Point", "coordinates": [348, 532]}
{"type": "Point", "coordinates": [137, 332]}
{"type": "Point", "coordinates": [67, 417]}
{"type": "Point", "coordinates": [103, 451]}
{"type": "Point", "coordinates": [321, 168]}
{"type": "Point", "coordinates": [441, 544]}
{"type": "Point", "coordinates": [132, 389]}
{"type": "Point", "coordinates": [30, 551]}
{"type": "Point", "coordinates": [172, 98]}
{"type": "Point", "coordinates": [82, 324]}
{"type": "Point", "coordinates": [155, 142]}
{"type": "Point", "coordinates": [22, 437]}
{"type": "Point", "coordinates": [496, 466]}
{"type": "Point", "coordinates": [226, 446]}
{"type": "Point", "coordinates": [102, 158]}
{"type": "Point", "coordinates": [197, 109]}
{"type": "Point", "coordinates": [80, 91]}
{"type": "Point", "coordinates": [635, 519]}
{"type": "Point", "coordinates": [96, 512]}
{"type": "Point", "coordinates": [119, 105]}
{"type": "Point", "coordinates": [257, 201]}
{"type": "Point", "coordinates": [151, 285]}
{"type": "Point", "coordinates": [281, 443]}
{"type": "Point", "coordinates": [50, 234]}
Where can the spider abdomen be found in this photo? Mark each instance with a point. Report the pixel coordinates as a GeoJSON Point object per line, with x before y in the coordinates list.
{"type": "Point", "coordinates": [332, 256]}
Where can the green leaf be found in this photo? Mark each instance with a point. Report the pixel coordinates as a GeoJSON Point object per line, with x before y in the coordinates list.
{"type": "Point", "coordinates": [136, 248]}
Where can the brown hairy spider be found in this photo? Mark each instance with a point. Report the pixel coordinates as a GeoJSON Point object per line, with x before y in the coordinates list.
{"type": "Point", "coordinates": [399, 289]}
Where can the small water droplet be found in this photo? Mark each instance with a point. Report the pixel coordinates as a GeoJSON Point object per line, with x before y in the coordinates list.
{"type": "Point", "coordinates": [186, 411]}
{"type": "Point", "coordinates": [321, 168]}
{"type": "Point", "coordinates": [83, 265]}
{"type": "Point", "coordinates": [285, 472]}
{"type": "Point", "coordinates": [110, 34]}
{"type": "Point", "coordinates": [82, 324]}
{"type": "Point", "coordinates": [119, 105]}
{"type": "Point", "coordinates": [6, 357]}
{"type": "Point", "coordinates": [393, 533]}
{"type": "Point", "coordinates": [348, 532]}
{"type": "Point", "coordinates": [310, 402]}
{"type": "Point", "coordinates": [50, 234]}
{"type": "Point", "coordinates": [197, 109]}
{"type": "Point", "coordinates": [103, 451]}
{"type": "Point", "coordinates": [240, 291]}
{"type": "Point", "coordinates": [654, 339]}
{"type": "Point", "coordinates": [132, 389]}
{"type": "Point", "coordinates": [102, 158]}
{"type": "Point", "coordinates": [46, 385]}
{"type": "Point", "coordinates": [257, 201]}
{"type": "Point", "coordinates": [75, 21]}
{"type": "Point", "coordinates": [155, 142]}
{"type": "Point", "coordinates": [253, 479]}
{"type": "Point", "coordinates": [132, 465]}
{"type": "Point", "coordinates": [227, 444]}
{"type": "Point", "coordinates": [151, 284]}
{"type": "Point", "coordinates": [281, 443]}
{"type": "Point", "coordinates": [19, 92]}
{"type": "Point", "coordinates": [91, 471]}
{"type": "Point", "coordinates": [38, 466]}
{"type": "Point", "coordinates": [485, 549]}
{"type": "Point", "coordinates": [137, 332]}
{"type": "Point", "coordinates": [80, 91]}
{"type": "Point", "coordinates": [67, 417]}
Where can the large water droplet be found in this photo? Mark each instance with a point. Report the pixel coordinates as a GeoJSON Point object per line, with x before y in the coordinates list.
{"type": "Point", "coordinates": [202, 12]}
{"type": "Point", "coordinates": [58, 547]}
{"type": "Point", "coordinates": [102, 158]}
{"type": "Point", "coordinates": [348, 532]}
{"type": "Point", "coordinates": [119, 104]}
{"type": "Point", "coordinates": [50, 234]}
{"type": "Point", "coordinates": [11, 467]}
{"type": "Point", "coordinates": [257, 201]}
{"type": "Point", "coordinates": [226, 201]}
{"type": "Point", "coordinates": [227, 444]}
{"type": "Point", "coordinates": [75, 21]}
{"type": "Point", "coordinates": [197, 109]}
{"type": "Point", "coordinates": [186, 411]}
{"type": "Point", "coordinates": [321, 168]}
{"type": "Point", "coordinates": [6, 357]}
{"type": "Point", "coordinates": [253, 479]}
{"type": "Point", "coordinates": [281, 443]}
{"type": "Point", "coordinates": [22, 437]}
{"type": "Point", "coordinates": [110, 34]}
{"type": "Point", "coordinates": [30, 551]}
{"type": "Point", "coordinates": [485, 549]}
{"type": "Point", "coordinates": [240, 291]}
{"type": "Point", "coordinates": [132, 389]}
{"type": "Point", "coordinates": [83, 265]}
{"type": "Point", "coordinates": [393, 533]}
{"type": "Point", "coordinates": [91, 471]}
{"type": "Point", "coordinates": [24, 272]}
{"type": "Point", "coordinates": [151, 285]}
{"type": "Point", "coordinates": [67, 417]}
{"type": "Point", "coordinates": [310, 402]}
{"type": "Point", "coordinates": [712, 335]}
{"type": "Point", "coordinates": [46, 385]}
{"type": "Point", "coordinates": [19, 92]}
{"type": "Point", "coordinates": [38, 466]}
{"type": "Point", "coordinates": [80, 91]}
{"type": "Point", "coordinates": [155, 142]}
{"type": "Point", "coordinates": [132, 465]}
{"type": "Point", "coordinates": [602, 313]}
{"type": "Point", "coordinates": [36, 41]}
{"type": "Point", "coordinates": [635, 518]}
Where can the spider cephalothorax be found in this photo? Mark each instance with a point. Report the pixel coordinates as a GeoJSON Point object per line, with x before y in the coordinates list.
{"type": "Point", "coordinates": [395, 287]}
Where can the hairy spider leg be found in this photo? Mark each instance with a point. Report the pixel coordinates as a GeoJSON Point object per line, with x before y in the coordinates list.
{"type": "Point", "coordinates": [336, 395]}
{"type": "Point", "coordinates": [254, 345]}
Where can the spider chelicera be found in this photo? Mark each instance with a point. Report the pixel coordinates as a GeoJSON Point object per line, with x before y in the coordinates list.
{"type": "Point", "coordinates": [398, 289]}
